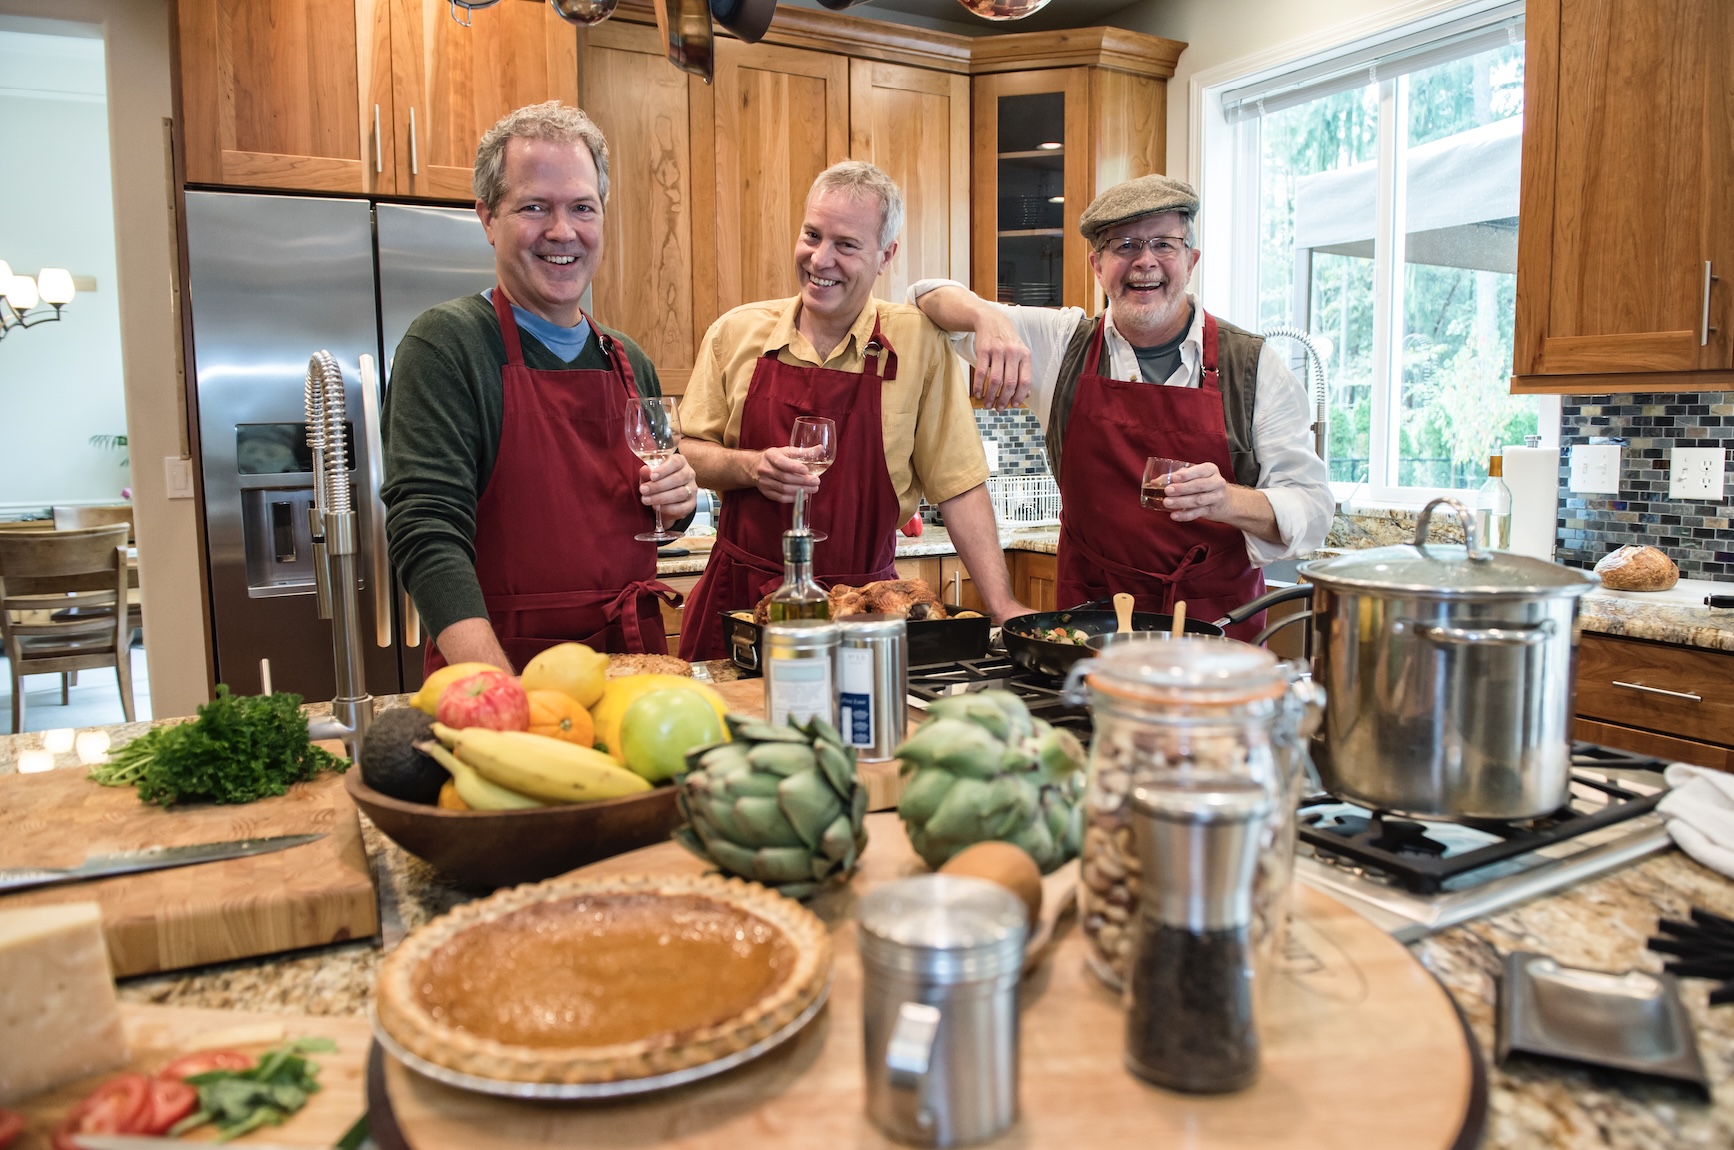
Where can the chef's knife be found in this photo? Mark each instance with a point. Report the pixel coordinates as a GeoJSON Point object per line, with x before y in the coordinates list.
{"type": "Point", "coordinates": [153, 1142]}
{"type": "Point", "coordinates": [152, 858]}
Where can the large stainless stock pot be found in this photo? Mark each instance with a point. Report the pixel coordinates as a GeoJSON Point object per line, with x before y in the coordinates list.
{"type": "Point", "coordinates": [1449, 674]}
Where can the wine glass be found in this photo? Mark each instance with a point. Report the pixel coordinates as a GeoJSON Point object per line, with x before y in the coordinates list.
{"type": "Point", "coordinates": [653, 434]}
{"type": "Point", "coordinates": [1158, 474]}
{"type": "Point", "coordinates": [814, 438]}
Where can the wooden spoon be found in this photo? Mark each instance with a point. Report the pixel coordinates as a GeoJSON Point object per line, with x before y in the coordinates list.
{"type": "Point", "coordinates": [1123, 609]}
{"type": "Point", "coordinates": [1179, 627]}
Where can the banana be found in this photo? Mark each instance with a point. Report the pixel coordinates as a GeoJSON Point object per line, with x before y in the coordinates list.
{"type": "Point", "coordinates": [478, 793]}
{"type": "Point", "coordinates": [544, 768]}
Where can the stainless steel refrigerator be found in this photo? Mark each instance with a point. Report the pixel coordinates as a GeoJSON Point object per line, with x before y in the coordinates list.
{"type": "Point", "coordinates": [272, 280]}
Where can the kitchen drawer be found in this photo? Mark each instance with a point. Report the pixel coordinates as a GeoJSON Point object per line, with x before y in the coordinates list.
{"type": "Point", "coordinates": [1682, 691]}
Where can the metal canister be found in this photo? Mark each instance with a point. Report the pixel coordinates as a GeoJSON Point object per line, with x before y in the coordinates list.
{"type": "Point", "coordinates": [800, 681]}
{"type": "Point", "coordinates": [940, 960]}
{"type": "Point", "coordinates": [873, 684]}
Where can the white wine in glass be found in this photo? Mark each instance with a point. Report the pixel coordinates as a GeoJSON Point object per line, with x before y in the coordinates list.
{"type": "Point", "coordinates": [815, 437]}
{"type": "Point", "coordinates": [653, 434]}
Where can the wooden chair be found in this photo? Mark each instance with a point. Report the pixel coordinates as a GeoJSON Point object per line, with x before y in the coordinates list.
{"type": "Point", "coordinates": [46, 573]}
{"type": "Point", "coordinates": [78, 518]}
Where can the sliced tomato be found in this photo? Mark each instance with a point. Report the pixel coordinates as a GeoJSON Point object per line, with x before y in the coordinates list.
{"type": "Point", "coordinates": [206, 1061]}
{"type": "Point", "coordinates": [11, 1125]}
{"type": "Point", "coordinates": [170, 1101]}
{"type": "Point", "coordinates": [115, 1107]}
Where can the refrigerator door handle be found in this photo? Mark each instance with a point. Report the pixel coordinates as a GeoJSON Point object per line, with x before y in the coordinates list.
{"type": "Point", "coordinates": [375, 504]}
{"type": "Point", "coordinates": [411, 622]}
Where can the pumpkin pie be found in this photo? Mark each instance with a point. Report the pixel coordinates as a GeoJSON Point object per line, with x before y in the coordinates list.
{"type": "Point", "coordinates": [589, 980]}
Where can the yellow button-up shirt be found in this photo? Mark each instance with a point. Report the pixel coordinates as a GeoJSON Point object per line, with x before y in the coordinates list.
{"type": "Point", "coordinates": [932, 446]}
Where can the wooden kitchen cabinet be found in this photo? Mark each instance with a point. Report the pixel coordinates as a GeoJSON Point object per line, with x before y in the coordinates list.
{"type": "Point", "coordinates": [1625, 267]}
{"type": "Point", "coordinates": [956, 589]}
{"type": "Point", "coordinates": [673, 618]}
{"type": "Point", "coordinates": [1033, 576]}
{"type": "Point", "coordinates": [1657, 698]}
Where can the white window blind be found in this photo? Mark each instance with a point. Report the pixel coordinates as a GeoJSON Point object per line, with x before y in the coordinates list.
{"type": "Point", "coordinates": [1370, 62]}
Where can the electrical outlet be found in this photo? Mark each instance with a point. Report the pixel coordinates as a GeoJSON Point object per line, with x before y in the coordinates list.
{"type": "Point", "coordinates": [1695, 473]}
{"type": "Point", "coordinates": [1595, 468]}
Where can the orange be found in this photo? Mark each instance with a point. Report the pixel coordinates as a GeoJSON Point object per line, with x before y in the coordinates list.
{"type": "Point", "coordinates": [558, 716]}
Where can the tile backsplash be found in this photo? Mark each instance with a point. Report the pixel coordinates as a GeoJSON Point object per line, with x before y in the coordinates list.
{"type": "Point", "coordinates": [1021, 448]}
{"type": "Point", "coordinates": [1694, 533]}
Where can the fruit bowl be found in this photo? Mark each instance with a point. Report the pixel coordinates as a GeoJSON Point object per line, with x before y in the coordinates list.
{"type": "Point", "coordinates": [489, 849]}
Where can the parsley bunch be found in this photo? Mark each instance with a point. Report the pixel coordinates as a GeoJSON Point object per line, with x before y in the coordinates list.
{"type": "Point", "coordinates": [241, 1100]}
{"type": "Point", "coordinates": [240, 748]}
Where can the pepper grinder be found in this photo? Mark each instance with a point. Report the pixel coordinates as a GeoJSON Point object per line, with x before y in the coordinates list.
{"type": "Point", "coordinates": [1189, 993]}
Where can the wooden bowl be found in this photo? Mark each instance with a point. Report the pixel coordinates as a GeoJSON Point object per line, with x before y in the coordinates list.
{"type": "Point", "coordinates": [502, 848]}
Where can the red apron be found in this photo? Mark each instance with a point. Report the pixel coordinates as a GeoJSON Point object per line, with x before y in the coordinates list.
{"type": "Point", "coordinates": [554, 549]}
{"type": "Point", "coordinates": [857, 506]}
{"type": "Point", "coordinates": [1109, 542]}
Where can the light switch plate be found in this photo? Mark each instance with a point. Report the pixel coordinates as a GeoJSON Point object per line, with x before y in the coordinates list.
{"type": "Point", "coordinates": [991, 447]}
{"type": "Point", "coordinates": [1595, 468]}
{"type": "Point", "coordinates": [1695, 473]}
{"type": "Point", "coordinates": [178, 474]}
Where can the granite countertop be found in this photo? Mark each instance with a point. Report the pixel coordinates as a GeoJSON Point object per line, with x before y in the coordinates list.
{"type": "Point", "coordinates": [931, 541]}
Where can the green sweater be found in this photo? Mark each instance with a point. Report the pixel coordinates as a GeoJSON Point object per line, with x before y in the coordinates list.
{"type": "Point", "coordinates": [442, 416]}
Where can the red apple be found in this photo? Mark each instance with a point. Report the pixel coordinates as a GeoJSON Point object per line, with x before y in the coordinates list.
{"type": "Point", "coordinates": [491, 699]}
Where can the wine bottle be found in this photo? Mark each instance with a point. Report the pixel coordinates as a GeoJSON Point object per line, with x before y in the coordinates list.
{"type": "Point", "coordinates": [1493, 508]}
{"type": "Point", "coordinates": [800, 596]}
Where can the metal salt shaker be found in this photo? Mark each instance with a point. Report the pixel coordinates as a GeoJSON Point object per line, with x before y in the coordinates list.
{"type": "Point", "coordinates": [873, 684]}
{"type": "Point", "coordinates": [799, 680]}
{"type": "Point", "coordinates": [1189, 996]}
{"type": "Point", "coordinates": [940, 957]}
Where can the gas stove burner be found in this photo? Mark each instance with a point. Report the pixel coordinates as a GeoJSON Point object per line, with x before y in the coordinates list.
{"type": "Point", "coordinates": [931, 681]}
{"type": "Point", "coordinates": [1399, 836]}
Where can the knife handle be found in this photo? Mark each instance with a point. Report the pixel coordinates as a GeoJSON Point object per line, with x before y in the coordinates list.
{"type": "Point", "coordinates": [21, 878]}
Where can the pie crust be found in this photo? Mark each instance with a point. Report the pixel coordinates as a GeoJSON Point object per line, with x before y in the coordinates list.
{"type": "Point", "coordinates": [587, 980]}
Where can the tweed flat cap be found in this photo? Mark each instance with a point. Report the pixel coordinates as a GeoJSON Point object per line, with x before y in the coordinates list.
{"type": "Point", "coordinates": [1144, 196]}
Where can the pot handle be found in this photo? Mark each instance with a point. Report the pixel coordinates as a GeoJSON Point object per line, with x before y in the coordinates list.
{"type": "Point", "coordinates": [1479, 636]}
{"type": "Point", "coordinates": [1471, 540]}
{"type": "Point", "coordinates": [1268, 599]}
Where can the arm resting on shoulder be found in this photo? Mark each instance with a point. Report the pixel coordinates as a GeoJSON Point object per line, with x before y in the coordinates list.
{"type": "Point", "coordinates": [1002, 357]}
{"type": "Point", "coordinates": [970, 522]}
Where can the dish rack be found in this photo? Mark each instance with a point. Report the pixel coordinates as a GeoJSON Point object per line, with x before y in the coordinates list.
{"type": "Point", "coordinates": [1025, 500]}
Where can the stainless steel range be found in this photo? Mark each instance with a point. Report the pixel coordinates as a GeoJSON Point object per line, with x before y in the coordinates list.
{"type": "Point", "coordinates": [1414, 877]}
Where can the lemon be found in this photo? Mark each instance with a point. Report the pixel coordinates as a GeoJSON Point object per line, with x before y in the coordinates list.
{"type": "Point", "coordinates": [428, 698]}
{"type": "Point", "coordinates": [570, 668]}
{"type": "Point", "coordinates": [621, 693]}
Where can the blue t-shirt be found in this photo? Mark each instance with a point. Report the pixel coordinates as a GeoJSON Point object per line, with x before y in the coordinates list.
{"type": "Point", "coordinates": [565, 342]}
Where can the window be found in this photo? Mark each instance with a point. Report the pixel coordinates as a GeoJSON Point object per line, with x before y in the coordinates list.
{"type": "Point", "coordinates": [1376, 209]}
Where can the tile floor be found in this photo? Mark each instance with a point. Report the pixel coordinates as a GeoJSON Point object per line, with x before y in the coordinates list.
{"type": "Point", "coordinates": [95, 702]}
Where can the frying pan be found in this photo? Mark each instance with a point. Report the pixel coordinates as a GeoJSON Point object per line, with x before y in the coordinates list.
{"type": "Point", "coordinates": [1023, 642]}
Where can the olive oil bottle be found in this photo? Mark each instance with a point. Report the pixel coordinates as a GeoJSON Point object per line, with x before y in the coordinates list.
{"type": "Point", "coordinates": [800, 596]}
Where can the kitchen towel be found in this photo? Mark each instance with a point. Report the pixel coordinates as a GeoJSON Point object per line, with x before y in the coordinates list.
{"type": "Point", "coordinates": [1532, 473]}
{"type": "Point", "coordinates": [1700, 814]}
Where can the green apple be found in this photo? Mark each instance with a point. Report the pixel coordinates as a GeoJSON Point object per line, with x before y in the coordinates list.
{"type": "Point", "coordinates": [660, 727]}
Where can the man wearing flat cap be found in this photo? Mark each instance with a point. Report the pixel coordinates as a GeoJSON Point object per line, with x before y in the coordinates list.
{"type": "Point", "coordinates": [1154, 376]}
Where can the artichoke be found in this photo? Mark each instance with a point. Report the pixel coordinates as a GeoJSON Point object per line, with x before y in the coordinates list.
{"type": "Point", "coordinates": [777, 805]}
{"type": "Point", "coordinates": [981, 767]}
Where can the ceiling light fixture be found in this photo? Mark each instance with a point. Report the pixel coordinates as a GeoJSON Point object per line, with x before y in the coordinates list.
{"type": "Point", "coordinates": [19, 296]}
{"type": "Point", "coordinates": [1004, 9]}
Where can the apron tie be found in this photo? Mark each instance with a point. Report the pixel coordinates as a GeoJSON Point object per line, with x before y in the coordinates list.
{"type": "Point", "coordinates": [1195, 557]}
{"type": "Point", "coordinates": [624, 608]}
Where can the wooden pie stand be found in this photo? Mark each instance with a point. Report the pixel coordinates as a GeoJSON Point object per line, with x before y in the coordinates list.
{"type": "Point", "coordinates": [1362, 1047]}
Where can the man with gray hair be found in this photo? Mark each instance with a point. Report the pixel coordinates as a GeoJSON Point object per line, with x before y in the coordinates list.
{"type": "Point", "coordinates": [516, 512]}
{"type": "Point", "coordinates": [885, 378]}
{"type": "Point", "coordinates": [1153, 382]}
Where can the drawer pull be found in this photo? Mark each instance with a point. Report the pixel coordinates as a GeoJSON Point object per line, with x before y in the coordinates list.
{"type": "Point", "coordinates": [1660, 691]}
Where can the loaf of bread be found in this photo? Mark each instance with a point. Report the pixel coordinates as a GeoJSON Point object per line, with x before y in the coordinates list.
{"type": "Point", "coordinates": [623, 665]}
{"type": "Point", "coordinates": [1637, 569]}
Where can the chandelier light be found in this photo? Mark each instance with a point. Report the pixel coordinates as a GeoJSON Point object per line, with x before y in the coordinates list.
{"type": "Point", "coordinates": [21, 295]}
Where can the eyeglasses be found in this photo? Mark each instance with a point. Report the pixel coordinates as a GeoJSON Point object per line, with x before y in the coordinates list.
{"type": "Point", "coordinates": [1162, 247]}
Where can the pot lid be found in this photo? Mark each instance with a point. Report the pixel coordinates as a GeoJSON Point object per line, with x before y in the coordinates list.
{"type": "Point", "coordinates": [1448, 569]}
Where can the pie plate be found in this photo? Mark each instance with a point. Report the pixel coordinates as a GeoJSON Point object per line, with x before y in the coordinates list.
{"type": "Point", "coordinates": [579, 1091]}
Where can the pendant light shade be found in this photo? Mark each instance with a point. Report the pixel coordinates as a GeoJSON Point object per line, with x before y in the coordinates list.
{"type": "Point", "coordinates": [584, 12]}
{"type": "Point", "coordinates": [56, 286]}
{"type": "Point", "coordinates": [1001, 9]}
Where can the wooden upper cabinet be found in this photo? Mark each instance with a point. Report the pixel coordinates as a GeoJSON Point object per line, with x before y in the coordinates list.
{"type": "Point", "coordinates": [287, 95]}
{"type": "Point", "coordinates": [782, 117]}
{"type": "Point", "coordinates": [657, 243]}
{"type": "Point", "coordinates": [1624, 215]}
{"type": "Point", "coordinates": [914, 124]}
{"type": "Point", "coordinates": [451, 83]}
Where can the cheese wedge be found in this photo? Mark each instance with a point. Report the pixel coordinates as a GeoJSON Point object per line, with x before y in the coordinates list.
{"type": "Point", "coordinates": [59, 1019]}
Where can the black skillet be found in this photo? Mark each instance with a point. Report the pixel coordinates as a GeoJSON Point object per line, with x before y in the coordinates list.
{"type": "Point", "coordinates": [1022, 634]}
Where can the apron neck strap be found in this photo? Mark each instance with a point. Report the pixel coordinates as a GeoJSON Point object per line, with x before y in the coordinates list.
{"type": "Point", "coordinates": [882, 355]}
{"type": "Point", "coordinates": [1212, 380]}
{"type": "Point", "coordinates": [508, 327]}
{"type": "Point", "coordinates": [515, 344]}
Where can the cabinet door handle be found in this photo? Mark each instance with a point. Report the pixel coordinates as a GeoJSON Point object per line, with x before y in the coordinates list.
{"type": "Point", "coordinates": [414, 168]}
{"type": "Point", "coordinates": [957, 588]}
{"type": "Point", "coordinates": [1660, 691]}
{"type": "Point", "coordinates": [1704, 328]}
{"type": "Point", "coordinates": [378, 152]}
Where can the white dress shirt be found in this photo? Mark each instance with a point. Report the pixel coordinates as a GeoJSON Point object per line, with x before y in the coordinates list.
{"type": "Point", "coordinates": [1290, 473]}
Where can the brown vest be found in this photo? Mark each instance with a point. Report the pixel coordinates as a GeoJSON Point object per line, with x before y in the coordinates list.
{"type": "Point", "coordinates": [1237, 367]}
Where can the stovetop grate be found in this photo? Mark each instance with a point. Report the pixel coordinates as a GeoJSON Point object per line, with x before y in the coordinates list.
{"type": "Point", "coordinates": [936, 680]}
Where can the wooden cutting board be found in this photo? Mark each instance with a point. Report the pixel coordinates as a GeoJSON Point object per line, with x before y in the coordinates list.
{"type": "Point", "coordinates": [159, 1034]}
{"type": "Point", "coordinates": [308, 895]}
{"type": "Point", "coordinates": [1362, 1048]}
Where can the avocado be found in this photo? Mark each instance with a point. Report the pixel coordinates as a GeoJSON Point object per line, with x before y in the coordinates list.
{"type": "Point", "coordinates": [391, 765]}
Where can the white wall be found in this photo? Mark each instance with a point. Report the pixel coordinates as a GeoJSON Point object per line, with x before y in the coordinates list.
{"type": "Point", "coordinates": [171, 559]}
{"type": "Point", "coordinates": [60, 382]}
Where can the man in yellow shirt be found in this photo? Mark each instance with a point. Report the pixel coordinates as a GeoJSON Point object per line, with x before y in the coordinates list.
{"type": "Point", "coordinates": [881, 371]}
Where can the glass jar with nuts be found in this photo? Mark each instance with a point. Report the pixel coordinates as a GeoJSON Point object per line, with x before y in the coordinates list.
{"type": "Point", "coordinates": [1188, 708]}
